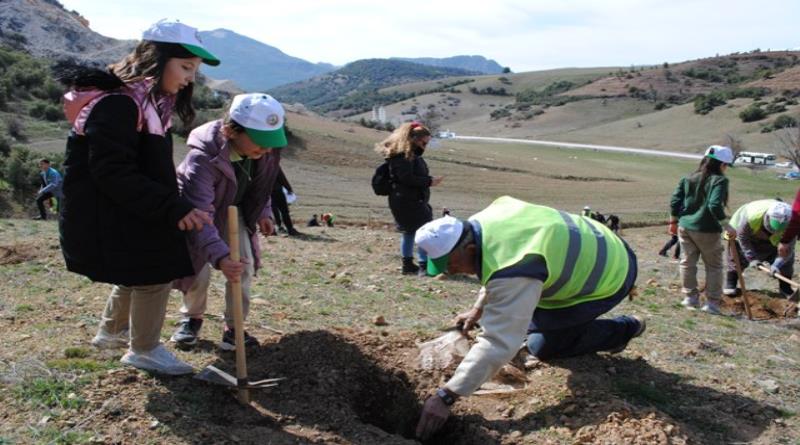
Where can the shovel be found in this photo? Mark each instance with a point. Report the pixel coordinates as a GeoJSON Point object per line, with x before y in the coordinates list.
{"type": "Point", "coordinates": [795, 297]}
{"type": "Point", "coordinates": [735, 256]}
{"type": "Point", "coordinates": [214, 375]}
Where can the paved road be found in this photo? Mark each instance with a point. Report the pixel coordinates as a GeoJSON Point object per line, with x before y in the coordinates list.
{"type": "Point", "coordinates": [642, 151]}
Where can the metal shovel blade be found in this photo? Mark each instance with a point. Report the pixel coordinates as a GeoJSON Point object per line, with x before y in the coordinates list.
{"type": "Point", "coordinates": [215, 376]}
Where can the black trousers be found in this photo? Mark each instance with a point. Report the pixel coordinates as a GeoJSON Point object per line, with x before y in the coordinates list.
{"type": "Point", "coordinates": [40, 204]}
{"type": "Point", "coordinates": [280, 210]}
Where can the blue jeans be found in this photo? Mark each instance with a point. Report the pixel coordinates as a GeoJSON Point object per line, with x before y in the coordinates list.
{"type": "Point", "coordinates": [594, 336]}
{"type": "Point", "coordinates": [575, 330]}
{"type": "Point", "coordinates": [407, 248]}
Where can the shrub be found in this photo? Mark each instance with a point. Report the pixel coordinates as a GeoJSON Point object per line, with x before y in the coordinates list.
{"type": "Point", "coordinates": [703, 104]}
{"type": "Point", "coordinates": [752, 113]}
{"type": "Point", "coordinates": [15, 129]}
{"type": "Point", "coordinates": [53, 113]}
{"type": "Point", "coordinates": [774, 108]}
{"type": "Point", "coordinates": [784, 121]}
{"type": "Point", "coordinates": [660, 106]}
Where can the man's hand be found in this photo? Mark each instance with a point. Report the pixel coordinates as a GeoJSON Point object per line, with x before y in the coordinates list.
{"type": "Point", "coordinates": [672, 229]}
{"type": "Point", "coordinates": [783, 250]}
{"type": "Point", "coordinates": [231, 269]}
{"type": "Point", "coordinates": [776, 266]}
{"type": "Point", "coordinates": [469, 319]}
{"type": "Point", "coordinates": [434, 414]}
{"type": "Point", "coordinates": [436, 180]}
{"type": "Point", "coordinates": [266, 226]}
{"type": "Point", "coordinates": [730, 231]}
{"type": "Point", "coordinates": [195, 220]}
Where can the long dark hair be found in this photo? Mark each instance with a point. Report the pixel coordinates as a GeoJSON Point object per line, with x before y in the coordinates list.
{"type": "Point", "coordinates": [708, 167]}
{"type": "Point", "coordinates": [148, 59]}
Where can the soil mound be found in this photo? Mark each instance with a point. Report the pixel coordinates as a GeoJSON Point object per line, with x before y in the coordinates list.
{"type": "Point", "coordinates": [764, 306]}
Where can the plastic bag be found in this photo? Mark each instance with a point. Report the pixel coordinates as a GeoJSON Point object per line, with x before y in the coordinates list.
{"type": "Point", "coordinates": [290, 197]}
{"type": "Point", "coordinates": [443, 351]}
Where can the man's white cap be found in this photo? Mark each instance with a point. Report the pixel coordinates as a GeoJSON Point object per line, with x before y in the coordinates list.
{"type": "Point", "coordinates": [721, 153]}
{"type": "Point", "coordinates": [168, 31]}
{"type": "Point", "coordinates": [779, 215]}
{"type": "Point", "coordinates": [262, 117]}
{"type": "Point", "coordinates": [438, 237]}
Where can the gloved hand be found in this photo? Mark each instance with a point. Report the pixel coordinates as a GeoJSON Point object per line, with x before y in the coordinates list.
{"type": "Point", "coordinates": [777, 265]}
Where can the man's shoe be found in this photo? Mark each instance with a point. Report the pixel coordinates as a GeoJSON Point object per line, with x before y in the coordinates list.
{"type": "Point", "coordinates": [107, 340]}
{"type": "Point", "coordinates": [691, 302]}
{"type": "Point", "coordinates": [229, 340]}
{"type": "Point", "coordinates": [662, 253]}
{"type": "Point", "coordinates": [294, 232]}
{"type": "Point", "coordinates": [711, 308]}
{"type": "Point", "coordinates": [732, 292]}
{"type": "Point", "coordinates": [186, 335]}
{"type": "Point", "coordinates": [157, 360]}
{"type": "Point", "coordinates": [639, 331]}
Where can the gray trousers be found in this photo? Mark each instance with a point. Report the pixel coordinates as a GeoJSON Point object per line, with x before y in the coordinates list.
{"type": "Point", "coordinates": [142, 308]}
{"type": "Point", "coordinates": [695, 245]}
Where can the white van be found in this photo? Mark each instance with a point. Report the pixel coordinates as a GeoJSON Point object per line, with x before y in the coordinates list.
{"type": "Point", "coordinates": [748, 158]}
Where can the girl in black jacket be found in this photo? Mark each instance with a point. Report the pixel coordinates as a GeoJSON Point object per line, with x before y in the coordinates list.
{"type": "Point", "coordinates": [122, 219]}
{"type": "Point", "coordinates": [411, 183]}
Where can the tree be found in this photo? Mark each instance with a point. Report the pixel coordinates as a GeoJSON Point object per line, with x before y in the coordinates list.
{"type": "Point", "coordinates": [507, 70]}
{"type": "Point", "coordinates": [734, 143]}
{"type": "Point", "coordinates": [789, 141]}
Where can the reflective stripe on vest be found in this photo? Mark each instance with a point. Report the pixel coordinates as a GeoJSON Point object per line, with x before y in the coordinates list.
{"type": "Point", "coordinates": [753, 213]}
{"type": "Point", "coordinates": [585, 261]}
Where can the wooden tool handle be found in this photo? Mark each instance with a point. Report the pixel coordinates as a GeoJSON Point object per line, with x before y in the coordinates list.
{"type": "Point", "coordinates": [779, 276]}
{"type": "Point", "coordinates": [735, 255]}
{"type": "Point", "coordinates": [238, 317]}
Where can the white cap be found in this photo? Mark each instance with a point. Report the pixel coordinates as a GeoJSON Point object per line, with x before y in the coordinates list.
{"type": "Point", "coordinates": [168, 31]}
{"type": "Point", "coordinates": [779, 215]}
{"type": "Point", "coordinates": [721, 153]}
{"type": "Point", "coordinates": [438, 237]}
{"type": "Point", "coordinates": [262, 117]}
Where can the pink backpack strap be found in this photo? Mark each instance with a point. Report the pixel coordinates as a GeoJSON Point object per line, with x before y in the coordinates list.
{"type": "Point", "coordinates": [78, 105]}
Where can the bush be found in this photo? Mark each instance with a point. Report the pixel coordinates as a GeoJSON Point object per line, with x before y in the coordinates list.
{"type": "Point", "coordinates": [661, 106]}
{"type": "Point", "coordinates": [703, 104]}
{"type": "Point", "coordinates": [38, 110]}
{"type": "Point", "coordinates": [775, 108]}
{"type": "Point", "coordinates": [784, 121]}
{"type": "Point", "coordinates": [16, 129]}
{"type": "Point", "coordinates": [53, 113]}
{"type": "Point", "coordinates": [752, 113]}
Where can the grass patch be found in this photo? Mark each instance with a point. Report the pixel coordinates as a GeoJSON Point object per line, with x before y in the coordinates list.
{"type": "Point", "coordinates": [52, 435]}
{"type": "Point", "coordinates": [643, 393]}
{"type": "Point", "coordinates": [80, 364]}
{"type": "Point", "coordinates": [24, 308]}
{"type": "Point", "coordinates": [689, 323]}
{"type": "Point", "coordinates": [76, 352]}
{"type": "Point", "coordinates": [50, 393]}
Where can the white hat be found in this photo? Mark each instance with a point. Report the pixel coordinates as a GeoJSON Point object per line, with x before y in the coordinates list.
{"type": "Point", "coordinates": [262, 117]}
{"type": "Point", "coordinates": [778, 216]}
{"type": "Point", "coordinates": [721, 153]}
{"type": "Point", "coordinates": [438, 238]}
{"type": "Point", "coordinates": [176, 32]}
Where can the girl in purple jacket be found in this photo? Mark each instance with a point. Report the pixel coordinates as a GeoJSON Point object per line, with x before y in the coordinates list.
{"type": "Point", "coordinates": [232, 161]}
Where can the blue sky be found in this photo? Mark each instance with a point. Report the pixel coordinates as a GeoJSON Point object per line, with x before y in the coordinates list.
{"type": "Point", "coordinates": [525, 35]}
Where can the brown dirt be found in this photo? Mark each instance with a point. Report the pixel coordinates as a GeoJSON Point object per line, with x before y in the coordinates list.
{"type": "Point", "coordinates": [763, 306]}
{"type": "Point", "coordinates": [19, 253]}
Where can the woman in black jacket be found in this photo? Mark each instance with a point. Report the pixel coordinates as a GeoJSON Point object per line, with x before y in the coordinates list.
{"type": "Point", "coordinates": [122, 219]}
{"type": "Point", "coordinates": [411, 183]}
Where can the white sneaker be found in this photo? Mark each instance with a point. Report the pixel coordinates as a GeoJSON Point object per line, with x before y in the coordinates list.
{"type": "Point", "coordinates": [157, 360]}
{"type": "Point", "coordinates": [691, 302]}
{"type": "Point", "coordinates": [711, 308]}
{"type": "Point", "coordinates": [107, 340]}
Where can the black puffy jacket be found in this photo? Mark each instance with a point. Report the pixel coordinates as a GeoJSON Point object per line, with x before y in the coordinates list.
{"type": "Point", "coordinates": [411, 191]}
{"type": "Point", "coordinates": [120, 212]}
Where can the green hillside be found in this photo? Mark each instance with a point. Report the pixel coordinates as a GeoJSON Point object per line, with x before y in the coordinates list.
{"type": "Point", "coordinates": [354, 88]}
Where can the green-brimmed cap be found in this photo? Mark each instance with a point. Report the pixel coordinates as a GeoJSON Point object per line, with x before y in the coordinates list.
{"type": "Point", "coordinates": [262, 117]}
{"type": "Point", "coordinates": [438, 238]}
{"type": "Point", "coordinates": [168, 31]}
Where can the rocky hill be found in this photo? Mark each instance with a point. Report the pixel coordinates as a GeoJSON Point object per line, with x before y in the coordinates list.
{"type": "Point", "coordinates": [256, 66]}
{"type": "Point", "coordinates": [354, 88]}
{"type": "Point", "coordinates": [45, 28]}
{"type": "Point", "coordinates": [477, 64]}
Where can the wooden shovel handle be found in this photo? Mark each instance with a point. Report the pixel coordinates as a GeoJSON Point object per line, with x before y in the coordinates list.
{"type": "Point", "coordinates": [238, 317]}
{"type": "Point", "coordinates": [735, 255]}
{"type": "Point", "coordinates": [779, 276]}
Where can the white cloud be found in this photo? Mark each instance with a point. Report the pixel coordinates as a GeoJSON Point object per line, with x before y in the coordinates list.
{"type": "Point", "coordinates": [525, 35]}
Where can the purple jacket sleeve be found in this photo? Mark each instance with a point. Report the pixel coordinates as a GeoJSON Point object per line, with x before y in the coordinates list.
{"type": "Point", "coordinates": [196, 179]}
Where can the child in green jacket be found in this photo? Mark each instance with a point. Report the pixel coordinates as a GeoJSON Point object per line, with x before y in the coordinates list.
{"type": "Point", "coordinates": [698, 214]}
